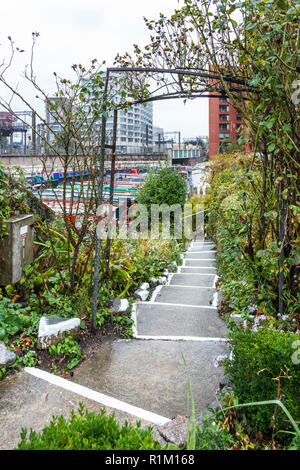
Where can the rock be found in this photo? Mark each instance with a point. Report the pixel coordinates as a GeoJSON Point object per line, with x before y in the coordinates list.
{"type": "Point", "coordinates": [175, 431]}
{"type": "Point", "coordinates": [52, 330]}
{"type": "Point", "coordinates": [154, 281]}
{"type": "Point", "coordinates": [144, 286]}
{"type": "Point", "coordinates": [141, 294]}
{"type": "Point", "coordinates": [158, 438]}
{"type": "Point", "coordinates": [7, 357]}
{"type": "Point", "coordinates": [120, 306]}
{"type": "Point", "coordinates": [162, 280]}
{"type": "Point", "coordinates": [165, 272]}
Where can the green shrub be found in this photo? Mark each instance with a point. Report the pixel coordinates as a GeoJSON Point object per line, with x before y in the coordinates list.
{"type": "Point", "coordinates": [165, 187]}
{"type": "Point", "coordinates": [88, 431]}
{"type": "Point", "coordinates": [258, 358]}
{"type": "Point", "coordinates": [295, 444]}
{"type": "Point", "coordinates": [13, 317]}
{"type": "Point", "coordinates": [212, 437]}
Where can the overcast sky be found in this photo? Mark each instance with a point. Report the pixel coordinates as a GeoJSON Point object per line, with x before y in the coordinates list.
{"type": "Point", "coordinates": [77, 31]}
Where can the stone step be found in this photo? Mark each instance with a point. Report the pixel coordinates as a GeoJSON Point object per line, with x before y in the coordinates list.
{"type": "Point", "coordinates": [167, 320]}
{"type": "Point", "coordinates": [152, 375]}
{"type": "Point", "coordinates": [185, 295]}
{"type": "Point", "coordinates": [199, 262]}
{"type": "Point", "coordinates": [202, 248]}
{"type": "Point", "coordinates": [200, 255]}
{"type": "Point", "coordinates": [31, 402]}
{"type": "Point", "coordinates": [186, 279]}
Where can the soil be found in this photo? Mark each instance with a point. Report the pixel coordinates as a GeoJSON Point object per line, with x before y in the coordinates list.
{"type": "Point", "coordinates": [89, 344]}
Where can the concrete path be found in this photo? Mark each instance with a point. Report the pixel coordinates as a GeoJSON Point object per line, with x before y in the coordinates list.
{"type": "Point", "coordinates": [144, 378]}
{"type": "Point", "coordinates": [30, 402]}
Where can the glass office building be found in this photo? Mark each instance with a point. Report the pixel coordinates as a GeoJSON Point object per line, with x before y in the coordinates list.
{"type": "Point", "coordinates": [134, 130]}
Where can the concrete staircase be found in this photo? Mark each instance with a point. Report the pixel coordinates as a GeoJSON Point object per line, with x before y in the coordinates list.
{"type": "Point", "coordinates": [143, 378]}
{"type": "Point", "coordinates": [185, 308]}
{"type": "Point", "coordinates": [180, 321]}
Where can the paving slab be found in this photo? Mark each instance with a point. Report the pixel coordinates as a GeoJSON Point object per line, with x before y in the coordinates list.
{"type": "Point", "coordinates": [200, 242]}
{"type": "Point", "coordinates": [200, 262]}
{"type": "Point", "coordinates": [30, 402]}
{"type": "Point", "coordinates": [185, 295]}
{"type": "Point", "coordinates": [168, 320]}
{"type": "Point", "coordinates": [194, 279]}
{"type": "Point", "coordinates": [200, 255]}
{"type": "Point", "coordinates": [152, 375]}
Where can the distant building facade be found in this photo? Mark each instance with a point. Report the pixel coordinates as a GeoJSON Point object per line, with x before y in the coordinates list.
{"type": "Point", "coordinates": [158, 138]}
{"type": "Point", "coordinates": [134, 129]}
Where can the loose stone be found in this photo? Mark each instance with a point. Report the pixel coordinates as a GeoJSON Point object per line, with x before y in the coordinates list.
{"type": "Point", "coordinates": [52, 330]}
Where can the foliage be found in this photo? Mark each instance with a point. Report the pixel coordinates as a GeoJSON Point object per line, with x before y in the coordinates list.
{"type": "Point", "coordinates": [13, 318]}
{"type": "Point", "coordinates": [13, 191]}
{"type": "Point", "coordinates": [295, 444]}
{"type": "Point", "coordinates": [250, 270]}
{"type": "Point", "coordinates": [211, 436]}
{"type": "Point", "coordinates": [88, 431]}
{"type": "Point", "coordinates": [261, 368]}
{"type": "Point", "coordinates": [4, 201]}
{"type": "Point", "coordinates": [142, 259]}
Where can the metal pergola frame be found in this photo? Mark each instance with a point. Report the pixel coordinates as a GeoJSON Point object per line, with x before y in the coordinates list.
{"type": "Point", "coordinates": [103, 146]}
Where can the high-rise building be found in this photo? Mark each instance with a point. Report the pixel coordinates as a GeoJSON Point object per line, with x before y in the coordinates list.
{"type": "Point", "coordinates": [134, 125]}
{"type": "Point", "coordinates": [225, 125]}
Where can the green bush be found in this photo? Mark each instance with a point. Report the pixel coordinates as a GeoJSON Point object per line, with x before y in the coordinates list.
{"type": "Point", "coordinates": [165, 187]}
{"type": "Point", "coordinates": [13, 317]}
{"type": "Point", "coordinates": [88, 431]}
{"type": "Point", "coordinates": [258, 358]}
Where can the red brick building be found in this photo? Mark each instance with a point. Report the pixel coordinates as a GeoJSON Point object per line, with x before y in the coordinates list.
{"type": "Point", "coordinates": [224, 125]}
